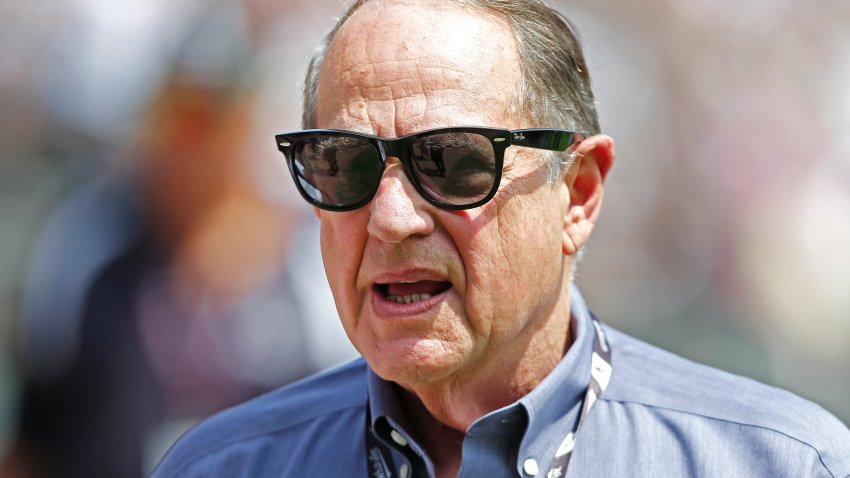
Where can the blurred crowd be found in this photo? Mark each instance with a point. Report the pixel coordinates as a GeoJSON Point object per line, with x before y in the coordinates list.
{"type": "Point", "coordinates": [162, 270]}
{"type": "Point", "coordinates": [157, 265]}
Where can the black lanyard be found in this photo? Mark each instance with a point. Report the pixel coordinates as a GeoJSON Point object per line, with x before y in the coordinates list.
{"type": "Point", "coordinates": [379, 457]}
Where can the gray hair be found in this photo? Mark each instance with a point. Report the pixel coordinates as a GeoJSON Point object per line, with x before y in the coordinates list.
{"type": "Point", "coordinates": [555, 85]}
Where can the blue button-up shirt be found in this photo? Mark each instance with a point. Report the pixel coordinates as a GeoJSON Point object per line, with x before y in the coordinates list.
{"type": "Point", "coordinates": [661, 415]}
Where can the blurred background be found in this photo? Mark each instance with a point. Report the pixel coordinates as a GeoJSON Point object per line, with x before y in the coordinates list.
{"type": "Point", "coordinates": [156, 264]}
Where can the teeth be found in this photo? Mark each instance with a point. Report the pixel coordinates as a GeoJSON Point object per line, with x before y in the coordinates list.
{"type": "Point", "coordinates": [408, 299]}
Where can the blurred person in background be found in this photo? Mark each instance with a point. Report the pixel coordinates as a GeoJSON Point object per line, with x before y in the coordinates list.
{"type": "Point", "coordinates": [191, 297]}
{"type": "Point", "coordinates": [451, 258]}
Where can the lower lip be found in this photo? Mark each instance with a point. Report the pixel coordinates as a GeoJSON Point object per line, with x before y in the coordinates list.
{"type": "Point", "coordinates": [385, 308]}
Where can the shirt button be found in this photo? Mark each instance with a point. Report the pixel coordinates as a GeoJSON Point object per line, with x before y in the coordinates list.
{"type": "Point", "coordinates": [529, 466]}
{"type": "Point", "coordinates": [404, 471]}
{"type": "Point", "coordinates": [398, 438]}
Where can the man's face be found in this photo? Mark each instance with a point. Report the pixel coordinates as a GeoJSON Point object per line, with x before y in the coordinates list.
{"type": "Point", "coordinates": [491, 276]}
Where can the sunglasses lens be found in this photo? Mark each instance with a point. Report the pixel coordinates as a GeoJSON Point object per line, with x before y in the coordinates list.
{"type": "Point", "coordinates": [455, 168]}
{"type": "Point", "coordinates": [337, 171]}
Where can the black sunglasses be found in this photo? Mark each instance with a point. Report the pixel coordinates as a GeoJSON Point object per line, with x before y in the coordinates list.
{"type": "Point", "coordinates": [452, 168]}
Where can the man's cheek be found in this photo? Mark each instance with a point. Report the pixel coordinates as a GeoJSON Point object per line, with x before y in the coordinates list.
{"type": "Point", "coordinates": [334, 260]}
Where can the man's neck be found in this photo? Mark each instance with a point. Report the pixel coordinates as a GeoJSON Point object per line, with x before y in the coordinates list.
{"type": "Point", "coordinates": [440, 414]}
{"type": "Point", "coordinates": [509, 375]}
{"type": "Point", "coordinates": [443, 443]}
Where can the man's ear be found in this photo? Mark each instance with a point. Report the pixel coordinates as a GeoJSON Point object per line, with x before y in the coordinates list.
{"type": "Point", "coordinates": [593, 159]}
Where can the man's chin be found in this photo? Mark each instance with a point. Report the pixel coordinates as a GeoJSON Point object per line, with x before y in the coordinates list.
{"type": "Point", "coordinates": [415, 362]}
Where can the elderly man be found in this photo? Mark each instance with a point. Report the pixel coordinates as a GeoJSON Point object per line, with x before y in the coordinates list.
{"type": "Point", "coordinates": [458, 173]}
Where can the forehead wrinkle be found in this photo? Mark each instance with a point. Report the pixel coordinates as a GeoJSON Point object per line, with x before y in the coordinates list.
{"type": "Point", "coordinates": [427, 91]}
{"type": "Point", "coordinates": [404, 77]}
{"type": "Point", "coordinates": [372, 73]}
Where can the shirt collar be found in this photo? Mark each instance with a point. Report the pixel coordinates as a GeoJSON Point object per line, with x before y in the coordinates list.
{"type": "Point", "coordinates": [558, 398]}
{"type": "Point", "coordinates": [386, 415]}
{"type": "Point", "coordinates": [383, 401]}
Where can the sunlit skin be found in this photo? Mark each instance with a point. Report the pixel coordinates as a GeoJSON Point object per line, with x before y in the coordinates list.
{"type": "Point", "coordinates": [395, 69]}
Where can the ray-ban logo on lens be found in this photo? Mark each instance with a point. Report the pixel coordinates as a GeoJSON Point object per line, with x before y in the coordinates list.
{"type": "Point", "coordinates": [519, 137]}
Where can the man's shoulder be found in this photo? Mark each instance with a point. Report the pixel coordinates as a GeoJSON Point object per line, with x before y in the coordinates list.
{"type": "Point", "coordinates": [285, 414]}
{"type": "Point", "coordinates": [651, 377]}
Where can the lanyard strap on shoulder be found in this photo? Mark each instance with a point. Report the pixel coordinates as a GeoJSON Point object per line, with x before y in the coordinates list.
{"type": "Point", "coordinates": [600, 375]}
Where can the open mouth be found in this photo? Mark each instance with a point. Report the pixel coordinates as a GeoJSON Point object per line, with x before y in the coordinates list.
{"type": "Point", "coordinates": [412, 292]}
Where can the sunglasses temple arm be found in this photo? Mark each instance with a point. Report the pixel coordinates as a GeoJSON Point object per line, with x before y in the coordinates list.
{"type": "Point", "coordinates": [552, 140]}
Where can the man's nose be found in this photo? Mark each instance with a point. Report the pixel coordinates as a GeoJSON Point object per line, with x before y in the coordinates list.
{"type": "Point", "coordinates": [398, 211]}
